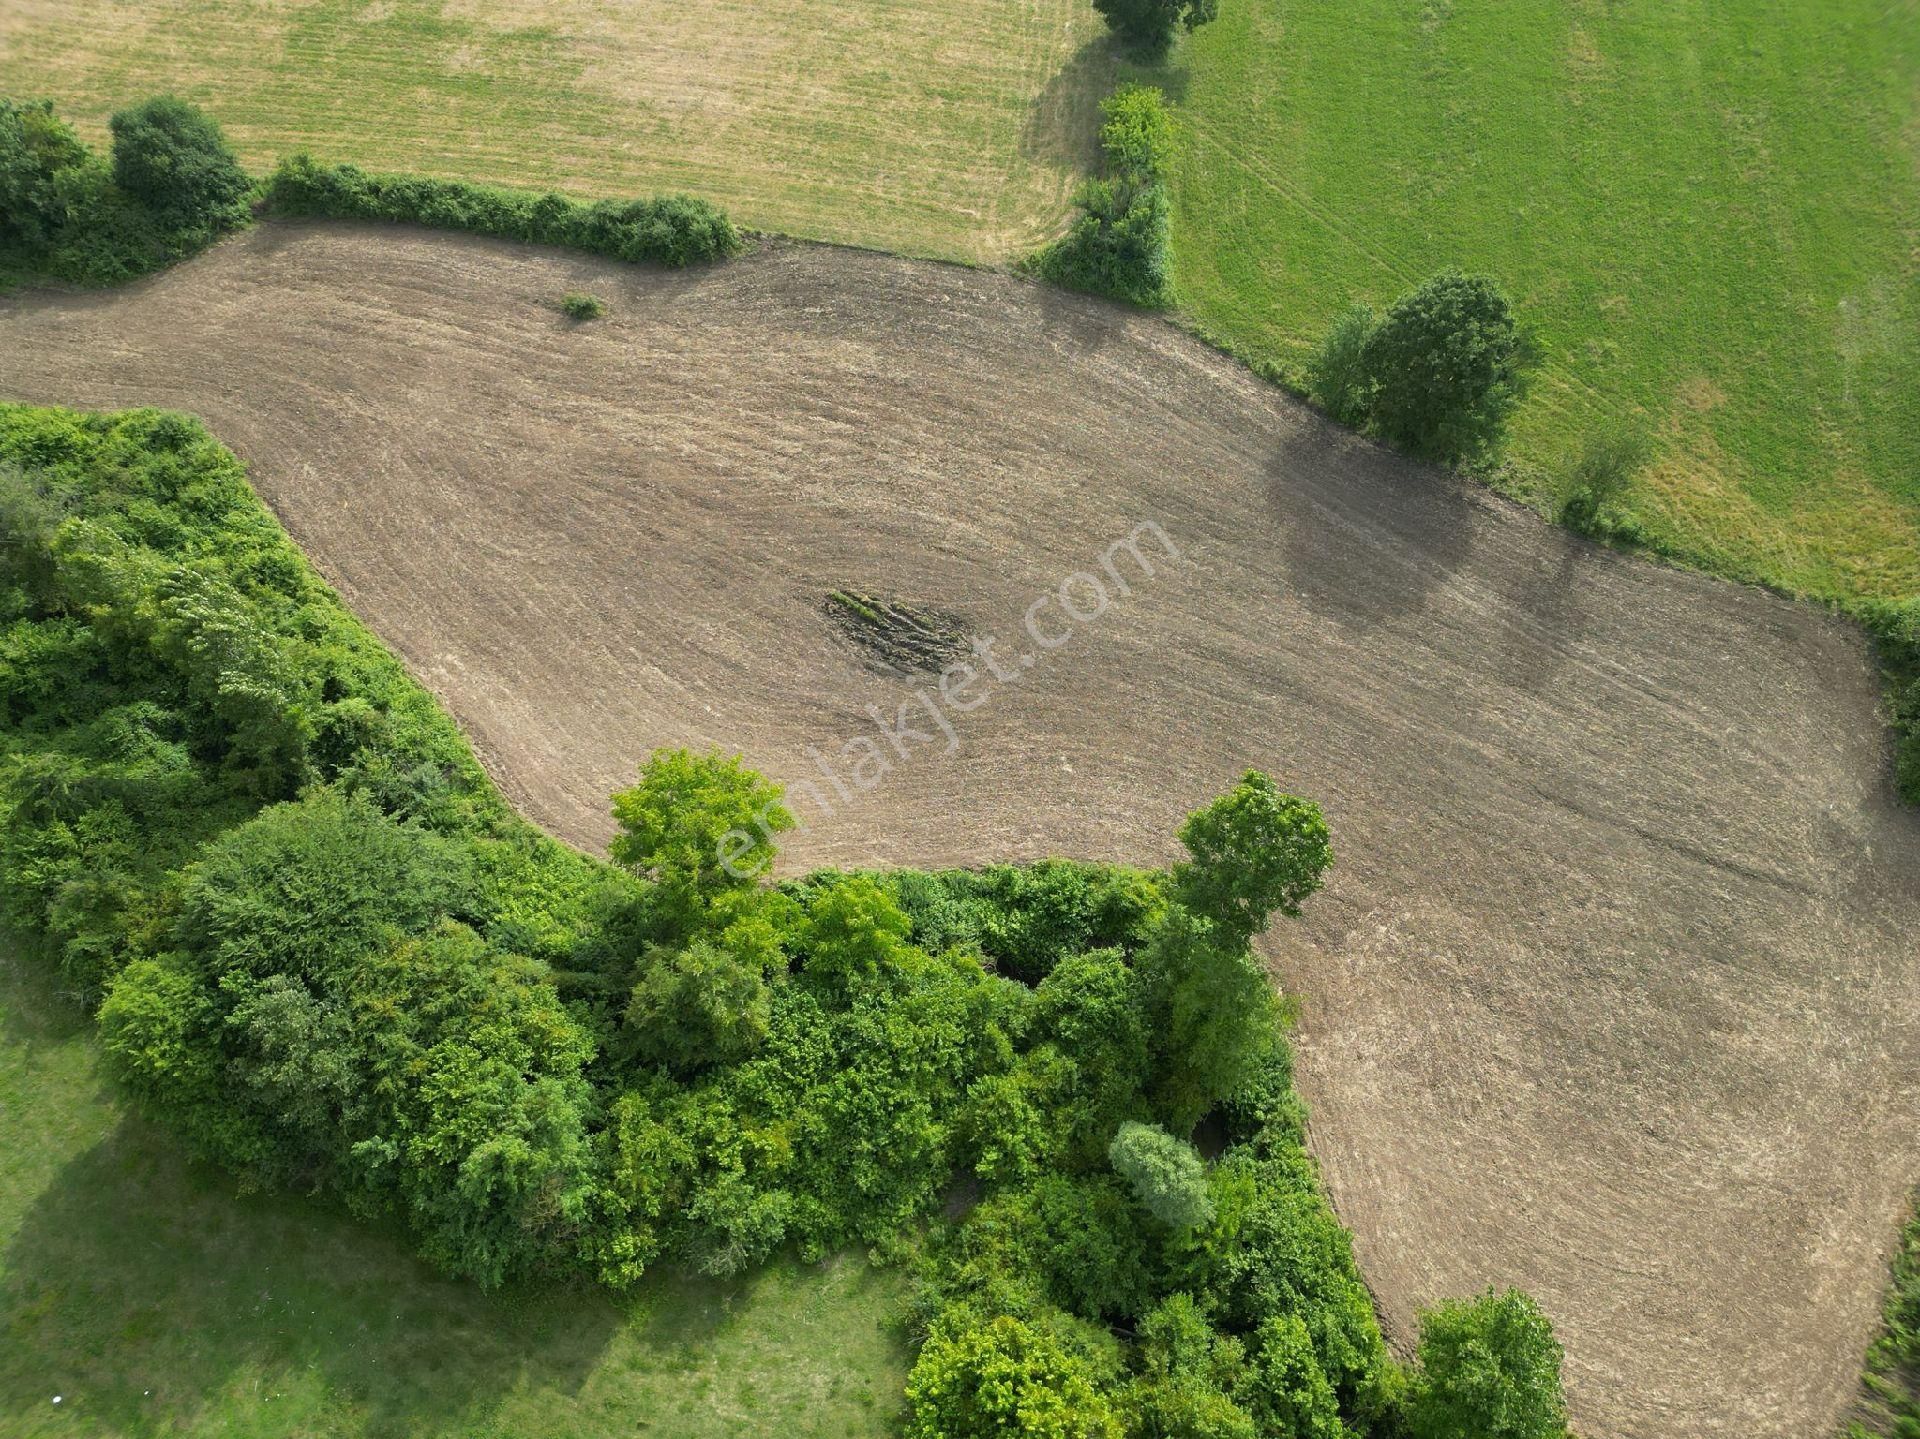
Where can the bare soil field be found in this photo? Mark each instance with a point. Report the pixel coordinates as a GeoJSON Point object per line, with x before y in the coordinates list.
{"type": "Point", "coordinates": [1612, 994]}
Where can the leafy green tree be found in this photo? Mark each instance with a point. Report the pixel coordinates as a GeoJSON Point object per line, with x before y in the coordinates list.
{"type": "Point", "coordinates": [1216, 1017]}
{"type": "Point", "coordinates": [698, 826]}
{"type": "Point", "coordinates": [696, 1006]}
{"type": "Point", "coordinates": [472, 1104]}
{"type": "Point", "coordinates": [1150, 25]}
{"type": "Point", "coordinates": [1447, 364]}
{"type": "Point", "coordinates": [1167, 1177]}
{"type": "Point", "coordinates": [1253, 850]}
{"type": "Point", "coordinates": [313, 887]}
{"type": "Point", "coordinates": [172, 158]}
{"type": "Point", "coordinates": [1286, 1390]}
{"type": "Point", "coordinates": [1094, 1009]}
{"type": "Point", "coordinates": [1187, 1408]}
{"type": "Point", "coordinates": [1276, 1248]}
{"type": "Point", "coordinates": [852, 931]}
{"type": "Point", "coordinates": [1595, 485]}
{"type": "Point", "coordinates": [1337, 376]}
{"type": "Point", "coordinates": [35, 146]}
{"type": "Point", "coordinates": [987, 1380]}
{"type": "Point", "coordinates": [1490, 1368]}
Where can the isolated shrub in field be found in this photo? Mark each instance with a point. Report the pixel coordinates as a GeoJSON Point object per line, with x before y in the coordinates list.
{"type": "Point", "coordinates": [172, 158]}
{"type": "Point", "coordinates": [1167, 1177]}
{"type": "Point", "coordinates": [1489, 1367]}
{"type": "Point", "coordinates": [1447, 364]}
{"type": "Point", "coordinates": [668, 230]}
{"type": "Point", "coordinates": [1595, 485]}
{"type": "Point", "coordinates": [1150, 25]}
{"type": "Point", "coordinates": [1136, 134]}
{"type": "Point", "coordinates": [1337, 376]}
{"type": "Point", "coordinates": [1120, 244]}
{"type": "Point", "coordinates": [581, 306]}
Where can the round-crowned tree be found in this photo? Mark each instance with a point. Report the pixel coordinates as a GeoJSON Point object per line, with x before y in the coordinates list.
{"type": "Point", "coordinates": [1149, 25]}
{"type": "Point", "coordinates": [172, 158]}
{"type": "Point", "coordinates": [1167, 1176]}
{"type": "Point", "coordinates": [1489, 1367]}
{"type": "Point", "coordinates": [1000, 1377]}
{"type": "Point", "coordinates": [1446, 365]}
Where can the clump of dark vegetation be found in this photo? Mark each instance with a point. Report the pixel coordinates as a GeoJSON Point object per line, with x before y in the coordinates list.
{"type": "Point", "coordinates": [1119, 246]}
{"type": "Point", "coordinates": [171, 186]}
{"type": "Point", "coordinates": [1895, 626]}
{"type": "Point", "coordinates": [1594, 488]}
{"type": "Point", "coordinates": [578, 305]}
{"type": "Point", "coordinates": [1148, 26]}
{"type": "Point", "coordinates": [1438, 375]}
{"type": "Point", "coordinates": [666, 230]}
{"type": "Point", "coordinates": [322, 949]}
{"type": "Point", "coordinates": [898, 638]}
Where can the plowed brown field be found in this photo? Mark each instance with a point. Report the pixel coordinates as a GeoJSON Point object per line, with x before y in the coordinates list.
{"type": "Point", "coordinates": [1612, 994]}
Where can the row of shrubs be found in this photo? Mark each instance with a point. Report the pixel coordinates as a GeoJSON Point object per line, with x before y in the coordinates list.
{"type": "Point", "coordinates": [666, 230]}
{"type": "Point", "coordinates": [322, 949]}
{"type": "Point", "coordinates": [173, 185]}
{"type": "Point", "coordinates": [1120, 244]}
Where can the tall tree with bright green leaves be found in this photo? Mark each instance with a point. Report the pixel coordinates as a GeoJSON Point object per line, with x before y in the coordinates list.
{"type": "Point", "coordinates": [1490, 1368]}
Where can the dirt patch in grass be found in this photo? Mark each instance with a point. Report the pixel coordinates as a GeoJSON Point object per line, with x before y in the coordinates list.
{"type": "Point", "coordinates": [1611, 994]}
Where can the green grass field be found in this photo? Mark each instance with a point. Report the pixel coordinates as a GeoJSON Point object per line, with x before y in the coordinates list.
{"type": "Point", "coordinates": [930, 127]}
{"type": "Point", "coordinates": [1711, 212]}
{"type": "Point", "coordinates": [153, 1300]}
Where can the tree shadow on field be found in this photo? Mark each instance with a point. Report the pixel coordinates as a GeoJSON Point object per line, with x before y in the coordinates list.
{"type": "Point", "coordinates": [1369, 536]}
{"type": "Point", "coordinates": [1062, 128]}
{"type": "Point", "coordinates": [1546, 613]}
{"type": "Point", "coordinates": [35, 1010]}
{"type": "Point", "coordinates": [148, 1295]}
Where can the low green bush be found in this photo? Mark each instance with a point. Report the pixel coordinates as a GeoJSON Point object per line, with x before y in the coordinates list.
{"type": "Point", "coordinates": [1594, 487]}
{"type": "Point", "coordinates": [1338, 380]}
{"type": "Point", "coordinates": [668, 230]}
{"type": "Point", "coordinates": [577, 305]}
{"type": "Point", "coordinates": [1120, 245]}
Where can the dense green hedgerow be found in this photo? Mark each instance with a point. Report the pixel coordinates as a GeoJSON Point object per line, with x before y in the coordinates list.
{"type": "Point", "coordinates": [326, 953]}
{"type": "Point", "coordinates": [1119, 246]}
{"type": "Point", "coordinates": [171, 186]}
{"type": "Point", "coordinates": [666, 230]}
